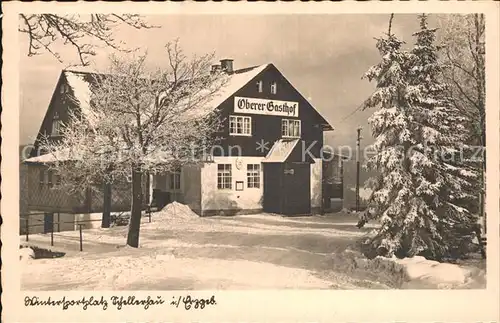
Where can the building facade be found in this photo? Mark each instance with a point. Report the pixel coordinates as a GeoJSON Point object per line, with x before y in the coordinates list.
{"type": "Point", "coordinates": [269, 157]}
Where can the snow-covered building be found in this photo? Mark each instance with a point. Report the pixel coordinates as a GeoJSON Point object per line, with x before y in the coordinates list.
{"type": "Point", "coordinates": [269, 157]}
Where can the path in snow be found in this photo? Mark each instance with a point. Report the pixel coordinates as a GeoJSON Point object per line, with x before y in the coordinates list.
{"type": "Point", "coordinates": [183, 252]}
{"type": "Point", "coordinates": [179, 250]}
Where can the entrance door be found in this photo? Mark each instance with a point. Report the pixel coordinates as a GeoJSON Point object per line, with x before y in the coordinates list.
{"type": "Point", "coordinates": [272, 202]}
{"type": "Point", "coordinates": [297, 188]}
{"type": "Point", "coordinates": [48, 222]}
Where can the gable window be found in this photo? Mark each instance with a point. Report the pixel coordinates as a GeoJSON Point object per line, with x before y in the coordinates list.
{"type": "Point", "coordinates": [274, 88]}
{"type": "Point", "coordinates": [224, 176]}
{"type": "Point", "coordinates": [64, 88]}
{"type": "Point", "coordinates": [253, 175]}
{"type": "Point", "coordinates": [56, 125]}
{"type": "Point", "coordinates": [175, 180]}
{"type": "Point", "coordinates": [259, 86]}
{"type": "Point", "coordinates": [240, 126]}
{"type": "Point", "coordinates": [290, 128]}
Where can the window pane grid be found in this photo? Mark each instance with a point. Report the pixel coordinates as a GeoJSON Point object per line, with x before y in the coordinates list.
{"type": "Point", "coordinates": [290, 128]}
{"type": "Point", "coordinates": [253, 176]}
{"type": "Point", "coordinates": [56, 127]}
{"type": "Point", "coordinates": [175, 181]}
{"type": "Point", "coordinates": [224, 176]}
{"type": "Point", "coordinates": [239, 125]}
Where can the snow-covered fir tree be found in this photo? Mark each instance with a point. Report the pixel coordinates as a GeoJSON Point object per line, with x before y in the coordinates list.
{"type": "Point", "coordinates": [417, 142]}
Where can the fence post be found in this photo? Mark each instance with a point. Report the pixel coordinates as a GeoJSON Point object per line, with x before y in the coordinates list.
{"type": "Point", "coordinates": [81, 240]}
{"type": "Point", "coordinates": [149, 213]}
{"type": "Point", "coordinates": [52, 235]}
{"type": "Point", "coordinates": [27, 228]}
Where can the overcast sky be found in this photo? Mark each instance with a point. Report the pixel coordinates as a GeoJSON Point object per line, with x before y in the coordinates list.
{"type": "Point", "coordinates": [323, 56]}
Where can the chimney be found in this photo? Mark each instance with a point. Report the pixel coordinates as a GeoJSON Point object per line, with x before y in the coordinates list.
{"type": "Point", "coordinates": [227, 65]}
{"type": "Point", "coordinates": [215, 68]}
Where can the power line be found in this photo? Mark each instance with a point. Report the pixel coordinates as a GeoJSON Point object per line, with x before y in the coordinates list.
{"type": "Point", "coordinates": [356, 110]}
{"type": "Point", "coordinates": [351, 114]}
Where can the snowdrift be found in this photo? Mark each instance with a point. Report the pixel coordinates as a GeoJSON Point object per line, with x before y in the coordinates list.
{"type": "Point", "coordinates": [176, 210]}
{"type": "Point", "coordinates": [441, 275]}
{"type": "Point", "coordinates": [26, 254]}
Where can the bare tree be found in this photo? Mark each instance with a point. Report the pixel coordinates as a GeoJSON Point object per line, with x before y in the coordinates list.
{"type": "Point", "coordinates": [463, 37]}
{"type": "Point", "coordinates": [138, 122]}
{"type": "Point", "coordinates": [79, 31]}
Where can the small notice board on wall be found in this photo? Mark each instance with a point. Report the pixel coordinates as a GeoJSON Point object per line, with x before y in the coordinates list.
{"type": "Point", "coordinates": [239, 185]}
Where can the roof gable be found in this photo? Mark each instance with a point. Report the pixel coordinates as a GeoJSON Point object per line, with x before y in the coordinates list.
{"type": "Point", "coordinates": [326, 125]}
{"type": "Point", "coordinates": [81, 83]}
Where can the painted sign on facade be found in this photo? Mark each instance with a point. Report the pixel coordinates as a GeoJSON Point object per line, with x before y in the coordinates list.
{"type": "Point", "coordinates": [266, 107]}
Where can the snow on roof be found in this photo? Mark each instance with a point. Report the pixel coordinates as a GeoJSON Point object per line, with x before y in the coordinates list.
{"type": "Point", "coordinates": [233, 83]}
{"type": "Point", "coordinates": [49, 158]}
{"type": "Point", "coordinates": [236, 81]}
{"type": "Point", "coordinates": [155, 156]}
{"type": "Point", "coordinates": [82, 90]}
{"type": "Point", "coordinates": [280, 151]}
{"type": "Point", "coordinates": [80, 87]}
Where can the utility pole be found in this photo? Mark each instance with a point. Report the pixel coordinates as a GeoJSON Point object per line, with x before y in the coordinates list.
{"type": "Point", "coordinates": [358, 141]}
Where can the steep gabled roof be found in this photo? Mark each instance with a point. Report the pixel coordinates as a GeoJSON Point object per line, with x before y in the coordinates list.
{"type": "Point", "coordinates": [236, 81]}
{"type": "Point", "coordinates": [82, 81]}
{"type": "Point", "coordinates": [81, 84]}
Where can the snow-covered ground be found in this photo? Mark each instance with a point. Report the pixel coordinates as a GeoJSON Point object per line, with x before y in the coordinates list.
{"type": "Point", "coordinates": [179, 250]}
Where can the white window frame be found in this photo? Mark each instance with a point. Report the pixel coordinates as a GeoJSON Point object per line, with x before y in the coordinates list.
{"type": "Point", "coordinates": [285, 128]}
{"type": "Point", "coordinates": [175, 178]}
{"type": "Point", "coordinates": [274, 88]}
{"type": "Point", "coordinates": [246, 126]}
{"type": "Point", "coordinates": [253, 175]}
{"type": "Point", "coordinates": [224, 177]}
{"type": "Point", "coordinates": [260, 86]}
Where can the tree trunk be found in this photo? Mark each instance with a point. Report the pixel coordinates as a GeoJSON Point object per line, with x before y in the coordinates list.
{"type": "Point", "coordinates": [135, 218]}
{"type": "Point", "coordinates": [106, 212]}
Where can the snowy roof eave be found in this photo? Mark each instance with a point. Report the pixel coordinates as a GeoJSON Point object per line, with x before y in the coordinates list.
{"type": "Point", "coordinates": [280, 151]}
{"type": "Point", "coordinates": [48, 158]}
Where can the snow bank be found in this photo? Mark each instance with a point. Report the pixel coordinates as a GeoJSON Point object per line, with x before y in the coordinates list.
{"type": "Point", "coordinates": [163, 272]}
{"type": "Point", "coordinates": [436, 273]}
{"type": "Point", "coordinates": [176, 210]}
{"type": "Point", "coordinates": [26, 254]}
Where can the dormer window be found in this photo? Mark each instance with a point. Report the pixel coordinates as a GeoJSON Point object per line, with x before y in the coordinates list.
{"type": "Point", "coordinates": [56, 125]}
{"type": "Point", "coordinates": [259, 86]}
{"type": "Point", "coordinates": [274, 88]}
